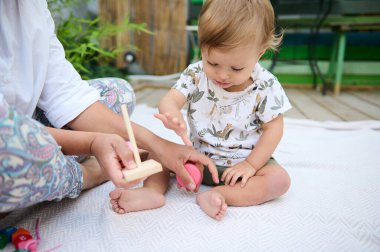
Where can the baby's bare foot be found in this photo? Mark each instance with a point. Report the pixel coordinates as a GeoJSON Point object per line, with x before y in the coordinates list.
{"type": "Point", "coordinates": [125, 201]}
{"type": "Point", "coordinates": [213, 204]}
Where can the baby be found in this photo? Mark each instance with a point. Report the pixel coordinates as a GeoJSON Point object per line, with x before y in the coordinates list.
{"type": "Point", "coordinates": [234, 111]}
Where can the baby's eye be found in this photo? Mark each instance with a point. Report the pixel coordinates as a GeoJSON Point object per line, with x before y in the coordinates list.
{"type": "Point", "coordinates": [211, 64]}
{"type": "Point", "coordinates": [237, 69]}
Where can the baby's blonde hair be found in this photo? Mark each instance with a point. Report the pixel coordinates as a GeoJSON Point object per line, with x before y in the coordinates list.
{"type": "Point", "coordinates": [227, 24]}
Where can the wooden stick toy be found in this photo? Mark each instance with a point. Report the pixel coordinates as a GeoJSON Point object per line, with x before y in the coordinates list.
{"type": "Point", "coordinates": [143, 169]}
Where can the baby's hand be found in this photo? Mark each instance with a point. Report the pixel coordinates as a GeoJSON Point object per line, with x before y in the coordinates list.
{"type": "Point", "coordinates": [176, 124]}
{"type": "Point", "coordinates": [241, 170]}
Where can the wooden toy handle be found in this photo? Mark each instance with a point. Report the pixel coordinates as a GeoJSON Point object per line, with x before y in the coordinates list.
{"type": "Point", "coordinates": [131, 136]}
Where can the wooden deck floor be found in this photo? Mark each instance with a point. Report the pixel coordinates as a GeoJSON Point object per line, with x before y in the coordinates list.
{"type": "Point", "coordinates": [307, 104]}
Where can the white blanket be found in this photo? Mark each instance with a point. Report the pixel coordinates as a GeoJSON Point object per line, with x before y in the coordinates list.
{"type": "Point", "coordinates": [333, 203]}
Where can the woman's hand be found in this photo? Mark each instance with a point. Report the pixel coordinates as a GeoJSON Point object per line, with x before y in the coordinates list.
{"type": "Point", "coordinates": [242, 170]}
{"type": "Point", "coordinates": [114, 155]}
{"type": "Point", "coordinates": [174, 156]}
{"type": "Point", "coordinates": [176, 124]}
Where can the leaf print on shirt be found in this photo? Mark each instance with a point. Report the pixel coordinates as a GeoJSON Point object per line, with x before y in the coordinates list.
{"type": "Point", "coordinates": [241, 100]}
{"type": "Point", "coordinates": [190, 112]}
{"type": "Point", "coordinates": [263, 105]}
{"type": "Point", "coordinates": [221, 134]}
{"type": "Point", "coordinates": [256, 124]}
{"type": "Point", "coordinates": [242, 136]}
{"type": "Point", "coordinates": [227, 109]}
{"type": "Point", "coordinates": [193, 74]}
{"type": "Point", "coordinates": [266, 84]}
{"type": "Point", "coordinates": [211, 96]}
{"type": "Point", "coordinates": [183, 85]}
{"type": "Point", "coordinates": [198, 69]}
{"type": "Point", "coordinates": [258, 100]}
{"type": "Point", "coordinates": [196, 96]}
{"type": "Point", "coordinates": [279, 103]}
{"type": "Point", "coordinates": [217, 145]}
{"type": "Point", "coordinates": [202, 133]}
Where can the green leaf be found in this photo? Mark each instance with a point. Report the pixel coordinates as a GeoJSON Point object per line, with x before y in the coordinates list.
{"type": "Point", "coordinates": [263, 105]}
{"type": "Point", "coordinates": [228, 134]}
{"type": "Point", "coordinates": [81, 36]}
{"type": "Point", "coordinates": [197, 96]}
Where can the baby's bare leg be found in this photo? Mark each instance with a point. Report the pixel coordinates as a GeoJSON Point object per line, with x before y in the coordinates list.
{"type": "Point", "coordinates": [150, 196]}
{"type": "Point", "coordinates": [269, 183]}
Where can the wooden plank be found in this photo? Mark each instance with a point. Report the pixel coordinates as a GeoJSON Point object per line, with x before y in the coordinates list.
{"type": "Point", "coordinates": [142, 94]}
{"type": "Point", "coordinates": [165, 52]}
{"type": "Point", "coordinates": [307, 104]}
{"type": "Point", "coordinates": [368, 96]}
{"type": "Point", "coordinates": [167, 49]}
{"type": "Point", "coordinates": [294, 112]}
{"type": "Point", "coordinates": [156, 96]}
{"type": "Point", "coordinates": [140, 13]}
{"type": "Point", "coordinates": [308, 107]}
{"type": "Point", "coordinates": [337, 108]}
{"type": "Point", "coordinates": [151, 96]}
{"type": "Point", "coordinates": [347, 21]}
{"type": "Point", "coordinates": [353, 102]}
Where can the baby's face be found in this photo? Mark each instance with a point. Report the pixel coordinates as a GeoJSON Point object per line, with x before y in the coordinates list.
{"type": "Point", "coordinates": [231, 69]}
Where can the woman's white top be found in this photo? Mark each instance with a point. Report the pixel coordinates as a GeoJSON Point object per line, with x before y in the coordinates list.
{"type": "Point", "coordinates": [33, 68]}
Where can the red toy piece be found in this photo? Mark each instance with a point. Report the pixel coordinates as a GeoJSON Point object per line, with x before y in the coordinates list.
{"type": "Point", "coordinates": [18, 232]}
{"type": "Point", "coordinates": [20, 239]}
{"type": "Point", "coordinates": [193, 170]}
{"type": "Point", "coordinates": [23, 240]}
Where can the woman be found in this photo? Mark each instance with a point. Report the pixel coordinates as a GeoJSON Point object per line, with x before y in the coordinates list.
{"type": "Point", "coordinates": [37, 83]}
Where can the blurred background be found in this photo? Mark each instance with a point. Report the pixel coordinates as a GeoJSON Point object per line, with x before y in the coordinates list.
{"type": "Point", "coordinates": [330, 56]}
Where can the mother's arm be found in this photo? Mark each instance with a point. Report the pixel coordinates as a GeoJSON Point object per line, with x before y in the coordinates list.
{"type": "Point", "coordinates": [98, 118]}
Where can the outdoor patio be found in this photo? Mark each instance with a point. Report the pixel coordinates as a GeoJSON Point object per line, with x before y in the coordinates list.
{"type": "Point", "coordinates": [307, 103]}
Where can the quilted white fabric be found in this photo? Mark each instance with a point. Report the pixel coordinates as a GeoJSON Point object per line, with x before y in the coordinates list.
{"type": "Point", "coordinates": [332, 205]}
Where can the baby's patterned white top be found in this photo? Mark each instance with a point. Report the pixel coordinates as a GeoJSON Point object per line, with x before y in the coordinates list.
{"type": "Point", "coordinates": [227, 125]}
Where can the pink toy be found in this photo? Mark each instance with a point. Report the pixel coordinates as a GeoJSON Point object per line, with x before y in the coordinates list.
{"type": "Point", "coordinates": [29, 245]}
{"type": "Point", "coordinates": [194, 172]}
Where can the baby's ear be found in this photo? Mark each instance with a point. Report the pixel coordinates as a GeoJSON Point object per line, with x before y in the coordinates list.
{"type": "Point", "coordinates": [261, 53]}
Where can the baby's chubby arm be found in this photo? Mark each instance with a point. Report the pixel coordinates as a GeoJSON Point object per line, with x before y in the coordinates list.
{"type": "Point", "coordinates": [270, 138]}
{"type": "Point", "coordinates": [259, 156]}
{"type": "Point", "coordinates": [170, 114]}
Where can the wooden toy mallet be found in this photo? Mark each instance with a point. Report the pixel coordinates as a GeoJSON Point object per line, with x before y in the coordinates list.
{"type": "Point", "coordinates": [143, 169]}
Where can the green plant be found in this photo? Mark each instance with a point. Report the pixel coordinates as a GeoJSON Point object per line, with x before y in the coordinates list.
{"type": "Point", "coordinates": [81, 38]}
